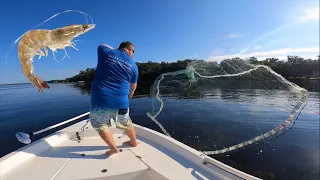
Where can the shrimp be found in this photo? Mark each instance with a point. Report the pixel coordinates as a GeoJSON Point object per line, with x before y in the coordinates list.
{"type": "Point", "coordinates": [33, 41]}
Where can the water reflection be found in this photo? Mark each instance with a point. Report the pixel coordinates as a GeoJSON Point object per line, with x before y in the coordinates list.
{"type": "Point", "coordinates": [85, 88]}
{"type": "Point", "coordinates": [275, 99]}
{"type": "Point", "coordinates": [310, 84]}
{"type": "Point", "coordinates": [209, 88]}
{"type": "Point", "coordinates": [143, 88]}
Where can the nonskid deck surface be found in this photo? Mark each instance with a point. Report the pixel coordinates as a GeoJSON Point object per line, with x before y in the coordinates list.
{"type": "Point", "coordinates": [63, 156]}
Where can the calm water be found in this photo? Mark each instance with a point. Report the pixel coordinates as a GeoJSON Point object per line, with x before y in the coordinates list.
{"type": "Point", "coordinates": [224, 118]}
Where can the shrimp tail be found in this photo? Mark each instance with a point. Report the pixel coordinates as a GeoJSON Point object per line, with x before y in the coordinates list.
{"type": "Point", "coordinates": [38, 82]}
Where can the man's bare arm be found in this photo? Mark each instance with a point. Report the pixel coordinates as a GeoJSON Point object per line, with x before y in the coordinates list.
{"type": "Point", "coordinates": [133, 87]}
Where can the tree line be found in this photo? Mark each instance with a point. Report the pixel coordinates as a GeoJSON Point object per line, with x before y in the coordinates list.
{"type": "Point", "coordinates": [294, 67]}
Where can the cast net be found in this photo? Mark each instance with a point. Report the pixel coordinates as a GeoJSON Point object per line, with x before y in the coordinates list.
{"type": "Point", "coordinates": [219, 107]}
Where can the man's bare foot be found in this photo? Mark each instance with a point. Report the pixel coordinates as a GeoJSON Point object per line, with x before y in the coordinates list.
{"type": "Point", "coordinates": [131, 144]}
{"type": "Point", "coordinates": [112, 151]}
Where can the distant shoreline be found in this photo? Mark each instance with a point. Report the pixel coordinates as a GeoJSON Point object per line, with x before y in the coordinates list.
{"type": "Point", "coordinates": [14, 84]}
{"type": "Point", "coordinates": [318, 78]}
{"type": "Point", "coordinates": [30, 83]}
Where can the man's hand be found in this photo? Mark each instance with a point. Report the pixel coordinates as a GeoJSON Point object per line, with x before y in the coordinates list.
{"type": "Point", "coordinates": [131, 95]}
{"type": "Point", "coordinates": [133, 87]}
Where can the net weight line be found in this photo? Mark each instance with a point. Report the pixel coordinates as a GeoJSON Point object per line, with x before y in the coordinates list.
{"type": "Point", "coordinates": [275, 137]}
{"type": "Point", "coordinates": [192, 71]}
{"type": "Point", "coordinates": [265, 135]}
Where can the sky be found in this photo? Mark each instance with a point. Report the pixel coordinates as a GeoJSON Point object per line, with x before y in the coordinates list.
{"type": "Point", "coordinates": [162, 30]}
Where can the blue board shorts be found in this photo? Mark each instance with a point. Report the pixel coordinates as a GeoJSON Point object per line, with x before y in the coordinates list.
{"type": "Point", "coordinates": [100, 119]}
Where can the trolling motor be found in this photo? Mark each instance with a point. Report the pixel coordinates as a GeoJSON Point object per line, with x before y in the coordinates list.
{"type": "Point", "coordinates": [25, 138]}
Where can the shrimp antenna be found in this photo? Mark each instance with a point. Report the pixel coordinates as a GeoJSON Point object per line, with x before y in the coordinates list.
{"type": "Point", "coordinates": [15, 42]}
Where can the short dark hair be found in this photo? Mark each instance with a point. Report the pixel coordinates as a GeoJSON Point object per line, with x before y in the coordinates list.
{"type": "Point", "coordinates": [125, 45]}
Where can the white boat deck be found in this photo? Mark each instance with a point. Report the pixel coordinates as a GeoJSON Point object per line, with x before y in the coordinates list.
{"type": "Point", "coordinates": [62, 157]}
